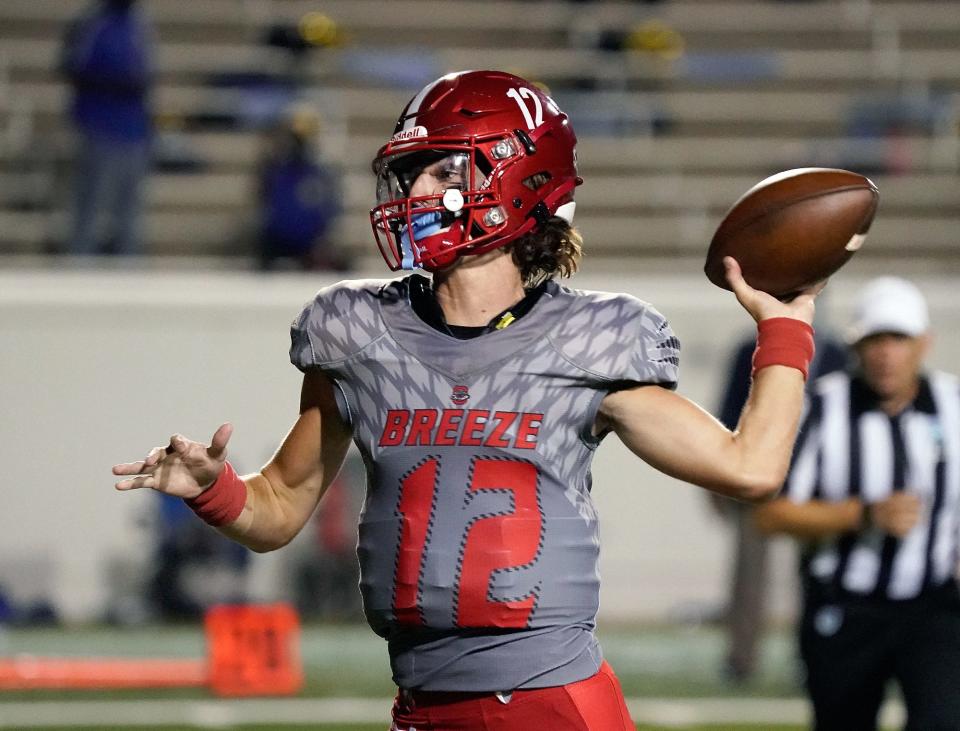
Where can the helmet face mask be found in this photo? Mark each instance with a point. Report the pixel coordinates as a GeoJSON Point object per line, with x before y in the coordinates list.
{"type": "Point", "coordinates": [397, 174]}
{"type": "Point", "coordinates": [470, 168]}
{"type": "Point", "coordinates": [420, 196]}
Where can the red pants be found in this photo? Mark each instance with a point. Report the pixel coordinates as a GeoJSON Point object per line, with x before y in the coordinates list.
{"type": "Point", "coordinates": [594, 704]}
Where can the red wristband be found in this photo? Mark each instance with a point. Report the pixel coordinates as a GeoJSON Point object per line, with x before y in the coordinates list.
{"type": "Point", "coordinates": [223, 501]}
{"type": "Point", "coordinates": [783, 341]}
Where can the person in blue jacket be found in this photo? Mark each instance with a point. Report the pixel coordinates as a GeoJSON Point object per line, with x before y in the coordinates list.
{"type": "Point", "coordinates": [106, 58]}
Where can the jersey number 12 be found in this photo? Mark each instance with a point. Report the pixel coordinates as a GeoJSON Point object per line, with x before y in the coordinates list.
{"type": "Point", "coordinates": [492, 543]}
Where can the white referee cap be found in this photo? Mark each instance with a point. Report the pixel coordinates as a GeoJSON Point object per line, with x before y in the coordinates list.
{"type": "Point", "coordinates": [889, 305]}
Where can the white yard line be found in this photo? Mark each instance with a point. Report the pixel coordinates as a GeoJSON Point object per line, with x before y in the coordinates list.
{"type": "Point", "coordinates": [667, 712]}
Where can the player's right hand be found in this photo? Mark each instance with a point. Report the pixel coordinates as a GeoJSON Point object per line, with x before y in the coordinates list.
{"type": "Point", "coordinates": [763, 306]}
{"type": "Point", "coordinates": [183, 468]}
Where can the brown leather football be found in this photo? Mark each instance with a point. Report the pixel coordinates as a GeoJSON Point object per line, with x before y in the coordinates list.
{"type": "Point", "coordinates": [794, 229]}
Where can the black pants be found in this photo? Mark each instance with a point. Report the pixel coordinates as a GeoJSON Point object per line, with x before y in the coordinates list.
{"type": "Point", "coordinates": [852, 648]}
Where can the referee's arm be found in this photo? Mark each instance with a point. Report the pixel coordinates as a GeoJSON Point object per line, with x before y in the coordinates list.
{"type": "Point", "coordinates": [895, 515]}
{"type": "Point", "coordinates": [814, 519]}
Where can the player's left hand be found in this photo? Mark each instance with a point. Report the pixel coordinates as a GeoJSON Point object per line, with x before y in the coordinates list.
{"type": "Point", "coordinates": [763, 306]}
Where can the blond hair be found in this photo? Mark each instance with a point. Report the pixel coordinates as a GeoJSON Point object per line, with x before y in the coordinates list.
{"type": "Point", "coordinates": [553, 249]}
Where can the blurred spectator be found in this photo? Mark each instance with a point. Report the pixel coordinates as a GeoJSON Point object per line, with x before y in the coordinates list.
{"type": "Point", "coordinates": [39, 611]}
{"type": "Point", "coordinates": [654, 38]}
{"type": "Point", "coordinates": [746, 602]}
{"type": "Point", "coordinates": [891, 118]}
{"type": "Point", "coordinates": [300, 200]}
{"type": "Point", "coordinates": [313, 30]}
{"type": "Point", "coordinates": [196, 567]}
{"type": "Point", "coordinates": [259, 95]}
{"type": "Point", "coordinates": [625, 59]}
{"type": "Point", "coordinates": [106, 57]}
{"type": "Point", "coordinates": [302, 40]}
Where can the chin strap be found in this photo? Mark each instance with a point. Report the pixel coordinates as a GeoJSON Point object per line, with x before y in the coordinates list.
{"type": "Point", "coordinates": [540, 213]}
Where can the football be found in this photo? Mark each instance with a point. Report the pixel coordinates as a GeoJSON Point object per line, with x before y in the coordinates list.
{"type": "Point", "coordinates": [794, 229]}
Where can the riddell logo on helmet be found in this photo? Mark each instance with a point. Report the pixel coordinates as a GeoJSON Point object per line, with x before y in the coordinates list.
{"type": "Point", "coordinates": [409, 134]}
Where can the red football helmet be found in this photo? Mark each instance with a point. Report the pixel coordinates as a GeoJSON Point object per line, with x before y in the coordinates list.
{"type": "Point", "coordinates": [503, 160]}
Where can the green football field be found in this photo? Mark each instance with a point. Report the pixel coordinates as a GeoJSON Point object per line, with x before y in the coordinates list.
{"type": "Point", "coordinates": [670, 675]}
{"type": "Point", "coordinates": [349, 660]}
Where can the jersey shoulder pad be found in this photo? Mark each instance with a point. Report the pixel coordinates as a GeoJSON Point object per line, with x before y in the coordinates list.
{"type": "Point", "coordinates": [338, 323]}
{"type": "Point", "coordinates": [619, 338]}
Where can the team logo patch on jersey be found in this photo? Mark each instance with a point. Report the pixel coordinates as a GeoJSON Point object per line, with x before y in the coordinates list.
{"type": "Point", "coordinates": [460, 395]}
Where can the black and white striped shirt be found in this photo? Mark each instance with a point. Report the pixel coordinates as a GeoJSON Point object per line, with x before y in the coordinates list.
{"type": "Point", "coordinates": [847, 448]}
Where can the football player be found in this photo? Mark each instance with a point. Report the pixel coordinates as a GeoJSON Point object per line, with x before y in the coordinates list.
{"type": "Point", "coordinates": [477, 397]}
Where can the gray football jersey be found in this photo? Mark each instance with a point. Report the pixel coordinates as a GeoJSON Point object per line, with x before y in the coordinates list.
{"type": "Point", "coordinates": [478, 540]}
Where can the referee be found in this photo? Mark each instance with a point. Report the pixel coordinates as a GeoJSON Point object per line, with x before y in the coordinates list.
{"type": "Point", "coordinates": [874, 494]}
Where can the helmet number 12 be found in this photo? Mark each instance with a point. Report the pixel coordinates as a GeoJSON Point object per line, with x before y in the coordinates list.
{"type": "Point", "coordinates": [519, 95]}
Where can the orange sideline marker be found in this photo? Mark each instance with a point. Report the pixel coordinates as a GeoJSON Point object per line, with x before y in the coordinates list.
{"type": "Point", "coordinates": [254, 650]}
{"type": "Point", "coordinates": [26, 672]}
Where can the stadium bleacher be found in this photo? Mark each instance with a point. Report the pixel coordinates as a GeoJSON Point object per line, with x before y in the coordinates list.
{"type": "Point", "coordinates": [670, 136]}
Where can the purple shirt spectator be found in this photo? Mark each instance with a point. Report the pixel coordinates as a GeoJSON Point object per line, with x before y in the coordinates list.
{"type": "Point", "coordinates": [107, 58]}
